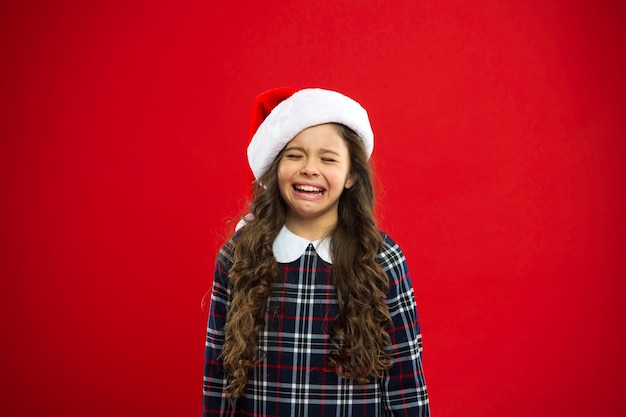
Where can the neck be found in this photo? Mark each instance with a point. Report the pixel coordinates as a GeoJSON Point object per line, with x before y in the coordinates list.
{"type": "Point", "coordinates": [309, 229]}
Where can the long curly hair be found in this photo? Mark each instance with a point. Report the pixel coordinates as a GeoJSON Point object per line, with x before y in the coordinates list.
{"type": "Point", "coordinates": [359, 332]}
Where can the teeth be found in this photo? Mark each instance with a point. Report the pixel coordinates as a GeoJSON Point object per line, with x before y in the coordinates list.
{"type": "Point", "coordinates": [308, 188]}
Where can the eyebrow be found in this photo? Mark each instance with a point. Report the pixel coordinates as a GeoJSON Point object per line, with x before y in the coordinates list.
{"type": "Point", "coordinates": [330, 151]}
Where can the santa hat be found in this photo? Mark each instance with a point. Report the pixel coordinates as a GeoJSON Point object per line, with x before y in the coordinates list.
{"type": "Point", "coordinates": [280, 114]}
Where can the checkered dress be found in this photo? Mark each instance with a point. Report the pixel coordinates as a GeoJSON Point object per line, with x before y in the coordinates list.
{"type": "Point", "coordinates": [294, 378]}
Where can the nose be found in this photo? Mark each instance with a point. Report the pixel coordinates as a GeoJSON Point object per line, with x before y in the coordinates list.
{"type": "Point", "coordinates": [309, 168]}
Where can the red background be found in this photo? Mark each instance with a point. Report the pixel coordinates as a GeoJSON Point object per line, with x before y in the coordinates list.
{"type": "Point", "coordinates": [500, 161]}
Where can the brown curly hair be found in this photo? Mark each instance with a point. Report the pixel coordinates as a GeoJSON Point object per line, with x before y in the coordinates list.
{"type": "Point", "coordinates": [359, 332]}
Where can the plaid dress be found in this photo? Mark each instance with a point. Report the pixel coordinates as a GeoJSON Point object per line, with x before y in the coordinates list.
{"type": "Point", "coordinates": [294, 378]}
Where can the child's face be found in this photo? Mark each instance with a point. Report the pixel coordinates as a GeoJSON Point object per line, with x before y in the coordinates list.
{"type": "Point", "coordinates": [312, 174]}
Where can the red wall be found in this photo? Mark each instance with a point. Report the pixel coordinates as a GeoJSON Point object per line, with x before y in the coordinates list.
{"type": "Point", "coordinates": [500, 156]}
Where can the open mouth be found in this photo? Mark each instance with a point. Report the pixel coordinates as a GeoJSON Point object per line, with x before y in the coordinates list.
{"type": "Point", "coordinates": [309, 189]}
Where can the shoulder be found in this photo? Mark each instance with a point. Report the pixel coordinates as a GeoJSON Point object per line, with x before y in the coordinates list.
{"type": "Point", "coordinates": [225, 255]}
{"type": "Point", "coordinates": [390, 254]}
{"type": "Point", "coordinates": [391, 258]}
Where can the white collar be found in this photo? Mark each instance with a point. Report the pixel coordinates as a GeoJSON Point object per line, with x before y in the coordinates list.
{"type": "Point", "coordinates": [288, 247]}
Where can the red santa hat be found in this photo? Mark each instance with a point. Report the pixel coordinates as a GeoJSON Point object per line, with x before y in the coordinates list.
{"type": "Point", "coordinates": [280, 114]}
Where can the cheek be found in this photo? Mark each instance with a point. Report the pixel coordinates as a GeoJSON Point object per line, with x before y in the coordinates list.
{"type": "Point", "coordinates": [280, 174]}
{"type": "Point", "coordinates": [287, 169]}
{"type": "Point", "coordinates": [343, 178]}
{"type": "Point", "coordinates": [284, 175]}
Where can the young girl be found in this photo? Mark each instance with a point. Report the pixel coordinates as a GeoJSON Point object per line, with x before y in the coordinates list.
{"type": "Point", "coordinates": [312, 310]}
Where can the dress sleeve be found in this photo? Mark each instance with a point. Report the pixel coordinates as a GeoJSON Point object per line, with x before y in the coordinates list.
{"type": "Point", "coordinates": [404, 387]}
{"type": "Point", "coordinates": [214, 387]}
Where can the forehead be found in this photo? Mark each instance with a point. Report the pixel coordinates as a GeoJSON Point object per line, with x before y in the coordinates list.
{"type": "Point", "coordinates": [320, 136]}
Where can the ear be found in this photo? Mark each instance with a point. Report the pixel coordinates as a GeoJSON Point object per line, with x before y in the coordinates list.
{"type": "Point", "coordinates": [350, 180]}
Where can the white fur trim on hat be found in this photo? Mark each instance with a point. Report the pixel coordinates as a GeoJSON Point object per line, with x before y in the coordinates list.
{"type": "Point", "coordinates": [303, 109]}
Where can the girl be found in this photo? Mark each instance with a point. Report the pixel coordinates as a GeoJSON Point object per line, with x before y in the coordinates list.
{"type": "Point", "coordinates": [312, 311]}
